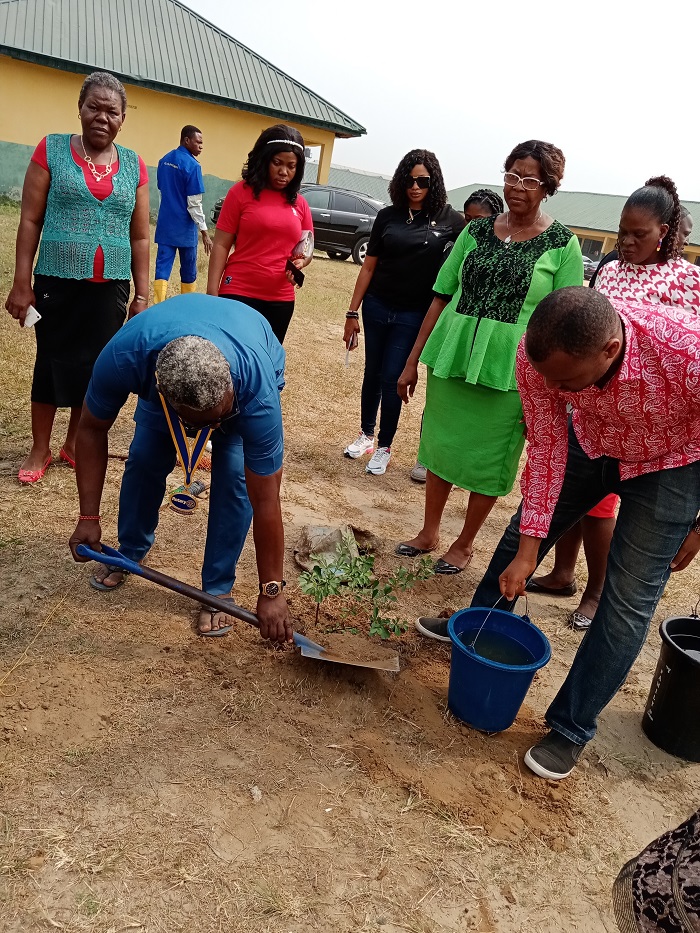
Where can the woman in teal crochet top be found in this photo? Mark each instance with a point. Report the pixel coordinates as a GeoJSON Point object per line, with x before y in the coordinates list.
{"type": "Point", "coordinates": [86, 200]}
{"type": "Point", "coordinates": [498, 271]}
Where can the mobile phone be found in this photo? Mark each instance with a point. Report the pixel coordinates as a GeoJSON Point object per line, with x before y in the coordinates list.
{"type": "Point", "coordinates": [352, 343]}
{"type": "Point", "coordinates": [297, 274]}
{"type": "Point", "coordinates": [32, 316]}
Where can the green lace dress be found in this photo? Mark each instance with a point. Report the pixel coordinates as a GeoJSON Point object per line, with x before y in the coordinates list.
{"type": "Point", "coordinates": [472, 428]}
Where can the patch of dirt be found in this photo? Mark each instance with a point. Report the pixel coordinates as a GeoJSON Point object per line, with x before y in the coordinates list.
{"type": "Point", "coordinates": [353, 648]}
{"type": "Point", "coordinates": [154, 781]}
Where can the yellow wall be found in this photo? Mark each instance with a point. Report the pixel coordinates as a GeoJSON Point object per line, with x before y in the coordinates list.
{"type": "Point", "coordinates": [36, 100]}
{"type": "Point", "coordinates": [608, 239]}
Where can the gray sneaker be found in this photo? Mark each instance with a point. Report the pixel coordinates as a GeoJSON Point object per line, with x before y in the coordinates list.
{"type": "Point", "coordinates": [433, 628]}
{"type": "Point", "coordinates": [554, 757]}
{"type": "Point", "coordinates": [418, 472]}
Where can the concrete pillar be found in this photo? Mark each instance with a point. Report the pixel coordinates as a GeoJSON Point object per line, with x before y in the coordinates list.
{"type": "Point", "coordinates": [324, 163]}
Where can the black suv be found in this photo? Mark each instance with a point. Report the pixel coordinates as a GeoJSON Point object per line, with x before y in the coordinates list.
{"type": "Point", "coordinates": [342, 220]}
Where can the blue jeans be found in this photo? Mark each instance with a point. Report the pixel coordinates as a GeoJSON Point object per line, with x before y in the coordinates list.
{"type": "Point", "coordinates": [656, 513]}
{"type": "Point", "coordinates": [389, 337]}
{"type": "Point", "coordinates": [151, 459]}
{"type": "Point", "coordinates": [165, 257]}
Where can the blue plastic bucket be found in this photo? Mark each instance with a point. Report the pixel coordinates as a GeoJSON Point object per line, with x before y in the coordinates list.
{"type": "Point", "coordinates": [487, 692]}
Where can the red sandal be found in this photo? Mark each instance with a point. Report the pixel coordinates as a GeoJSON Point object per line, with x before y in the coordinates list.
{"type": "Point", "coordinates": [33, 476]}
{"type": "Point", "coordinates": [66, 458]}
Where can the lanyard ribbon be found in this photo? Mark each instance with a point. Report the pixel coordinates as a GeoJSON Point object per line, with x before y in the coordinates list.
{"type": "Point", "coordinates": [188, 457]}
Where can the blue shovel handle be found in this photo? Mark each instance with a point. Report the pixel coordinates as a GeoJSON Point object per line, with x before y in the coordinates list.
{"type": "Point", "coordinates": [113, 558]}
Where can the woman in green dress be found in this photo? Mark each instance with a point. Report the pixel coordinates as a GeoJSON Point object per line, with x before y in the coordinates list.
{"type": "Point", "coordinates": [498, 271]}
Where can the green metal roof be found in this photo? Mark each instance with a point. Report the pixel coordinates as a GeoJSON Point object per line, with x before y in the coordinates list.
{"type": "Point", "coordinates": [580, 209]}
{"type": "Point", "coordinates": [354, 179]}
{"type": "Point", "coordinates": [163, 45]}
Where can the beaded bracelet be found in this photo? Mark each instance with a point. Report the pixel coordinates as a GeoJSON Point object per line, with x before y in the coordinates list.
{"type": "Point", "coordinates": [140, 298]}
{"type": "Point", "coordinates": [90, 518]}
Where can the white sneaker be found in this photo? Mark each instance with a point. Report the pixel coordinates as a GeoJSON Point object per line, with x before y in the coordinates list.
{"type": "Point", "coordinates": [363, 445]}
{"type": "Point", "coordinates": [379, 462]}
{"type": "Point", "coordinates": [418, 472]}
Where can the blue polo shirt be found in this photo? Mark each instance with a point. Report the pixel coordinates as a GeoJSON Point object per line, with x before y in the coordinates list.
{"type": "Point", "coordinates": [179, 177]}
{"type": "Point", "coordinates": [127, 365]}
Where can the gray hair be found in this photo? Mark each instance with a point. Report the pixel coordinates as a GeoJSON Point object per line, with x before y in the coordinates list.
{"type": "Point", "coordinates": [104, 80]}
{"type": "Point", "coordinates": [193, 372]}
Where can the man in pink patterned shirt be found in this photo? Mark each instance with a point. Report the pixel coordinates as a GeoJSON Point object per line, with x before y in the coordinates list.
{"type": "Point", "coordinates": [632, 379]}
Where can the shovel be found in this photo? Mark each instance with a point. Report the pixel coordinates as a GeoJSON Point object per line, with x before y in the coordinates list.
{"type": "Point", "coordinates": [309, 649]}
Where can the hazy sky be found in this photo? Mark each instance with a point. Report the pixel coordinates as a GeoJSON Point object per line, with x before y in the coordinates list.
{"type": "Point", "coordinates": [612, 84]}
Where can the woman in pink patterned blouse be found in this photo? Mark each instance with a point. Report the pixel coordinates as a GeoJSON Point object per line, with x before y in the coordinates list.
{"type": "Point", "coordinates": [649, 268]}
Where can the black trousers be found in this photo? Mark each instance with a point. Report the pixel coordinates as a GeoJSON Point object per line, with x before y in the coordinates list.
{"type": "Point", "coordinates": [278, 314]}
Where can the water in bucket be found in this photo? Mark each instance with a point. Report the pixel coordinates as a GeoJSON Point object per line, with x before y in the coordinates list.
{"type": "Point", "coordinates": [495, 646]}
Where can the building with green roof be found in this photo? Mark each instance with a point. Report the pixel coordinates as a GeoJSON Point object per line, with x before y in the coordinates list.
{"type": "Point", "coordinates": [177, 68]}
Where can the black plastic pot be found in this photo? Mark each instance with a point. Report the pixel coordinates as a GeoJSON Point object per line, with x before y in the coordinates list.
{"type": "Point", "coordinates": [672, 715]}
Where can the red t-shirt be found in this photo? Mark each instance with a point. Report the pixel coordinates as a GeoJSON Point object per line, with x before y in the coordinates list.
{"type": "Point", "coordinates": [100, 189]}
{"type": "Point", "coordinates": [266, 232]}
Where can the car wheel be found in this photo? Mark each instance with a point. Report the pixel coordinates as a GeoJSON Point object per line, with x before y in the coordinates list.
{"type": "Point", "coordinates": [359, 250]}
{"type": "Point", "coordinates": [336, 254]}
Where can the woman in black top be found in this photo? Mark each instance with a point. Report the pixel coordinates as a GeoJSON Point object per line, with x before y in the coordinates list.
{"type": "Point", "coordinates": [395, 286]}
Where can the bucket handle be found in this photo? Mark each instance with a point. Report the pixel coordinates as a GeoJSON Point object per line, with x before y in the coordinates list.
{"type": "Point", "coordinates": [694, 613]}
{"type": "Point", "coordinates": [473, 643]}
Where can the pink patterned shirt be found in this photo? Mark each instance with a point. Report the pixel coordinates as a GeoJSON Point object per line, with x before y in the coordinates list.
{"type": "Point", "coordinates": [647, 416]}
{"type": "Point", "coordinates": [676, 282]}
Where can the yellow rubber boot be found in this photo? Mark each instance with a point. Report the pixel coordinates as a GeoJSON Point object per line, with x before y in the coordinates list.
{"type": "Point", "coordinates": [160, 286]}
{"type": "Point", "coordinates": [187, 287]}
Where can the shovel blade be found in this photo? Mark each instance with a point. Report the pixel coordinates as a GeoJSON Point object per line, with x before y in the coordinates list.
{"type": "Point", "coordinates": [318, 653]}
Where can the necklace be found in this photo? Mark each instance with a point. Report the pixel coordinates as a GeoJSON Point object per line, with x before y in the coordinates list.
{"type": "Point", "coordinates": [509, 239]}
{"type": "Point", "coordinates": [91, 165]}
{"type": "Point", "coordinates": [412, 215]}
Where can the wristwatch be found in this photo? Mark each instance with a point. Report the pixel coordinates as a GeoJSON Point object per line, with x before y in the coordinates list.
{"type": "Point", "coordinates": [273, 588]}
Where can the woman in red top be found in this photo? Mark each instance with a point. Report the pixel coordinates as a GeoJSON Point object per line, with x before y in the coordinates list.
{"type": "Point", "coordinates": [270, 223]}
{"type": "Point", "coordinates": [86, 200]}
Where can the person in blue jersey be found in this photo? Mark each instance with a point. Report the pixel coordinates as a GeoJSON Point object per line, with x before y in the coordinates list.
{"type": "Point", "coordinates": [181, 216]}
{"type": "Point", "coordinates": [199, 373]}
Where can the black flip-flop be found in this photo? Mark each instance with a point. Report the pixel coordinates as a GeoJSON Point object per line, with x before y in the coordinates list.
{"type": "Point", "coordinates": [533, 587]}
{"type": "Point", "coordinates": [102, 587]}
{"type": "Point", "coordinates": [442, 566]}
{"type": "Point", "coordinates": [407, 550]}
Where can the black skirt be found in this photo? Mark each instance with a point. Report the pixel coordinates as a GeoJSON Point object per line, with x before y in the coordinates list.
{"type": "Point", "coordinates": [78, 318]}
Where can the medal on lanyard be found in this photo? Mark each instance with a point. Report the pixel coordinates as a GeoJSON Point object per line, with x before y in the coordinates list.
{"type": "Point", "coordinates": [182, 501]}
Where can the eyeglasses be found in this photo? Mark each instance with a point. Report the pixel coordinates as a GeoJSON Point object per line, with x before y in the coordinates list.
{"type": "Point", "coordinates": [195, 428]}
{"type": "Point", "coordinates": [423, 181]}
{"type": "Point", "coordinates": [529, 183]}
{"type": "Point", "coordinates": [219, 423]}
{"type": "Point", "coordinates": [235, 411]}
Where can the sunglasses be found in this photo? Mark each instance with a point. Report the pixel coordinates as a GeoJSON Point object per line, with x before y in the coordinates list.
{"type": "Point", "coordinates": [423, 181]}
